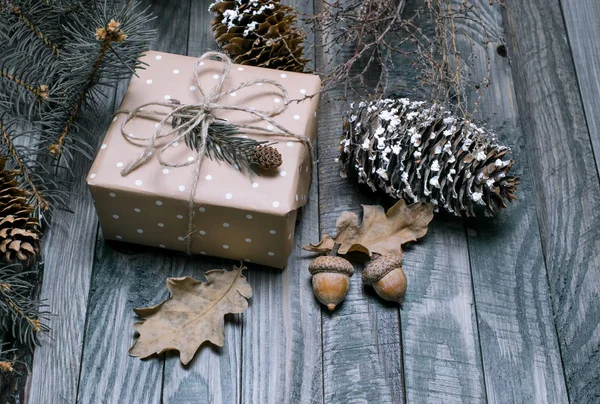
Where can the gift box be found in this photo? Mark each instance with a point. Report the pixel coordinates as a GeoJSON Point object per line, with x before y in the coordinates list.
{"type": "Point", "coordinates": [237, 215]}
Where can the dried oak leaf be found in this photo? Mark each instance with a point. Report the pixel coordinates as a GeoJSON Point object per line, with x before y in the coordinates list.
{"type": "Point", "coordinates": [380, 232]}
{"type": "Point", "coordinates": [192, 315]}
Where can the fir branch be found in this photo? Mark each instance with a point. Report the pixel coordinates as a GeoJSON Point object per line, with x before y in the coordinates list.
{"type": "Point", "coordinates": [223, 144]}
{"type": "Point", "coordinates": [16, 10]}
{"type": "Point", "coordinates": [19, 312]}
{"type": "Point", "coordinates": [6, 364]}
{"type": "Point", "coordinates": [56, 148]}
{"type": "Point", "coordinates": [23, 169]}
{"type": "Point", "coordinates": [125, 32]}
{"type": "Point", "coordinates": [39, 91]}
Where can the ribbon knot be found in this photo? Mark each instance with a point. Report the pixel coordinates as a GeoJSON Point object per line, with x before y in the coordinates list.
{"type": "Point", "coordinates": [196, 119]}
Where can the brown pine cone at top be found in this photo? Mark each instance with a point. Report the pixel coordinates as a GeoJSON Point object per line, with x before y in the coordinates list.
{"type": "Point", "coordinates": [259, 33]}
{"type": "Point", "coordinates": [267, 157]}
{"type": "Point", "coordinates": [19, 230]}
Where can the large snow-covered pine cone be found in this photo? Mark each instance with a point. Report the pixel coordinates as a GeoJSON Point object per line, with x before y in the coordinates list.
{"type": "Point", "coordinates": [420, 152]}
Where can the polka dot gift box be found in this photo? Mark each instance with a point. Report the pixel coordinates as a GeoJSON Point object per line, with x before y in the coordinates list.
{"type": "Point", "coordinates": [235, 214]}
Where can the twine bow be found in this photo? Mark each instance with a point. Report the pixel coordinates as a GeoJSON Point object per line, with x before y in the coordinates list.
{"type": "Point", "coordinates": [189, 117]}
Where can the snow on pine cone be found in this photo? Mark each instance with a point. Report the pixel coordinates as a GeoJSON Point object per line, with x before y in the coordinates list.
{"type": "Point", "coordinates": [259, 33]}
{"type": "Point", "coordinates": [419, 152]}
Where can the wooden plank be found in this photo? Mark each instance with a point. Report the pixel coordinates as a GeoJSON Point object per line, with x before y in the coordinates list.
{"type": "Point", "coordinates": [565, 183]}
{"type": "Point", "coordinates": [516, 327]}
{"type": "Point", "coordinates": [582, 20]}
{"type": "Point", "coordinates": [442, 357]}
{"type": "Point", "coordinates": [214, 374]}
{"type": "Point", "coordinates": [361, 339]}
{"type": "Point", "coordinates": [282, 345]}
{"type": "Point", "coordinates": [127, 276]}
{"type": "Point", "coordinates": [441, 350]}
{"type": "Point", "coordinates": [68, 251]}
{"type": "Point", "coordinates": [124, 277]}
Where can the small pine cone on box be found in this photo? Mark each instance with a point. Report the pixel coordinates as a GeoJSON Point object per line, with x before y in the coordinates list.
{"type": "Point", "coordinates": [268, 158]}
{"type": "Point", "coordinates": [259, 33]}
{"type": "Point", "coordinates": [419, 152]}
{"type": "Point", "coordinates": [19, 230]}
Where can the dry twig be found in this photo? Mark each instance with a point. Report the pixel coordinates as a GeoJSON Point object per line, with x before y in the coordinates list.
{"type": "Point", "coordinates": [381, 33]}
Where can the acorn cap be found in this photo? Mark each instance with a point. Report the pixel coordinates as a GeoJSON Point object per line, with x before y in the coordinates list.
{"type": "Point", "coordinates": [328, 263]}
{"type": "Point", "coordinates": [380, 267]}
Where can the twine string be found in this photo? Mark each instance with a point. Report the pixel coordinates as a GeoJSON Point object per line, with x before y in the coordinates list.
{"type": "Point", "coordinates": [190, 117]}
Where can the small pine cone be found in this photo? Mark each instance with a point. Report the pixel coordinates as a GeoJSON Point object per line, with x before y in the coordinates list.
{"type": "Point", "coordinates": [421, 153]}
{"type": "Point", "coordinates": [267, 157]}
{"type": "Point", "coordinates": [19, 231]}
{"type": "Point", "coordinates": [259, 33]}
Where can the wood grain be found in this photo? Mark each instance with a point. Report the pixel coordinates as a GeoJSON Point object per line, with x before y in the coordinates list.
{"type": "Point", "coordinates": [441, 350]}
{"type": "Point", "coordinates": [442, 357]}
{"type": "Point", "coordinates": [125, 277]}
{"type": "Point", "coordinates": [565, 183]}
{"type": "Point", "coordinates": [582, 20]}
{"type": "Point", "coordinates": [214, 374]}
{"type": "Point", "coordinates": [282, 345]}
{"type": "Point", "coordinates": [514, 312]}
{"type": "Point", "coordinates": [68, 251]}
{"type": "Point", "coordinates": [361, 339]}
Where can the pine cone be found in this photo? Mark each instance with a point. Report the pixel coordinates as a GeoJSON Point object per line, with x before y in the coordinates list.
{"type": "Point", "coordinates": [19, 231]}
{"type": "Point", "coordinates": [259, 33]}
{"type": "Point", "coordinates": [267, 157]}
{"type": "Point", "coordinates": [420, 152]}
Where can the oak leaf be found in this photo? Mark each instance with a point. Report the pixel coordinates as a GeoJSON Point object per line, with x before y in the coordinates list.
{"type": "Point", "coordinates": [192, 315]}
{"type": "Point", "coordinates": [380, 232]}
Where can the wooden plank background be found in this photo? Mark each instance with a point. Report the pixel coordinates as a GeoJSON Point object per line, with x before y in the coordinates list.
{"type": "Point", "coordinates": [494, 307]}
{"type": "Point", "coordinates": [566, 183]}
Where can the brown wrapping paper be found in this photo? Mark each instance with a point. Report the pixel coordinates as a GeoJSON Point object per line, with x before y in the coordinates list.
{"type": "Point", "coordinates": [236, 216]}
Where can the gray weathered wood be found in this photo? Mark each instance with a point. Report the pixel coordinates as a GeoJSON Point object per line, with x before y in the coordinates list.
{"type": "Point", "coordinates": [582, 19]}
{"type": "Point", "coordinates": [361, 338]}
{"type": "Point", "coordinates": [442, 357]}
{"type": "Point", "coordinates": [68, 251]}
{"type": "Point", "coordinates": [214, 374]}
{"type": "Point", "coordinates": [124, 277]}
{"type": "Point", "coordinates": [514, 312]}
{"type": "Point", "coordinates": [282, 345]}
{"type": "Point", "coordinates": [441, 349]}
{"type": "Point", "coordinates": [565, 183]}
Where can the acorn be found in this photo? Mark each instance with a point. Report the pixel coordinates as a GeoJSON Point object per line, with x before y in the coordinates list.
{"type": "Point", "coordinates": [386, 276]}
{"type": "Point", "coordinates": [331, 279]}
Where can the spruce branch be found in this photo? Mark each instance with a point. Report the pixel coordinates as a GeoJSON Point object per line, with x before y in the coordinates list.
{"type": "Point", "coordinates": [117, 46]}
{"type": "Point", "coordinates": [39, 91]}
{"type": "Point", "coordinates": [107, 36]}
{"type": "Point", "coordinates": [23, 169]}
{"type": "Point", "coordinates": [18, 12]}
{"type": "Point", "coordinates": [7, 355]}
{"type": "Point", "coordinates": [20, 313]}
{"type": "Point", "coordinates": [225, 142]}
